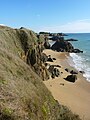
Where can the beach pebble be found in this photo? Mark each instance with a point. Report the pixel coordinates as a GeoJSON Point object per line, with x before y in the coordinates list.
{"type": "Point", "coordinates": [62, 84]}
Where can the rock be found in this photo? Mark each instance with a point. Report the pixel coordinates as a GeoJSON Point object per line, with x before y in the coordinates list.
{"type": "Point", "coordinates": [46, 44]}
{"type": "Point", "coordinates": [71, 78]}
{"type": "Point", "coordinates": [62, 84]}
{"type": "Point", "coordinates": [55, 38]}
{"type": "Point", "coordinates": [71, 39]}
{"type": "Point", "coordinates": [53, 75]}
{"type": "Point", "coordinates": [31, 57]}
{"type": "Point", "coordinates": [82, 72]}
{"type": "Point", "coordinates": [57, 66]}
{"type": "Point", "coordinates": [54, 58]}
{"type": "Point", "coordinates": [44, 57]}
{"type": "Point", "coordinates": [50, 59]}
{"type": "Point", "coordinates": [66, 69]}
{"type": "Point", "coordinates": [73, 72]}
{"type": "Point", "coordinates": [62, 46]}
{"type": "Point", "coordinates": [77, 51]}
{"type": "Point", "coordinates": [56, 72]}
{"type": "Point", "coordinates": [51, 68]}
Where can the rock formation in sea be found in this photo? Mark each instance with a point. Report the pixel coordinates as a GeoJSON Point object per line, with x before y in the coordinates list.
{"type": "Point", "coordinates": [62, 45]}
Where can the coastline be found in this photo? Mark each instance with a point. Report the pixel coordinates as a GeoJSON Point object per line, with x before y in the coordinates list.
{"type": "Point", "coordinates": [76, 95]}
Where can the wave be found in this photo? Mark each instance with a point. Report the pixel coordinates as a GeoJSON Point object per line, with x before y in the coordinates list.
{"type": "Point", "coordinates": [81, 64]}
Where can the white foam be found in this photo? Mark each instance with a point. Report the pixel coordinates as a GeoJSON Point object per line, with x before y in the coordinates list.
{"type": "Point", "coordinates": [81, 65]}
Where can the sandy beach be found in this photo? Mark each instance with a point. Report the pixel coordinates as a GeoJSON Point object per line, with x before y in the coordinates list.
{"type": "Point", "coordinates": [76, 96]}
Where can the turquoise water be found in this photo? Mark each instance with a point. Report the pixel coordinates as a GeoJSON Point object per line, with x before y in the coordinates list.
{"type": "Point", "coordinates": [81, 60]}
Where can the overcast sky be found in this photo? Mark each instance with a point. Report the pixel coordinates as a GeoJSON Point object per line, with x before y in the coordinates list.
{"type": "Point", "coordinates": [47, 15]}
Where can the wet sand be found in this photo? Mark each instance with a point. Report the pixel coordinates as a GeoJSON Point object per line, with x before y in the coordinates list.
{"type": "Point", "coordinates": [76, 96]}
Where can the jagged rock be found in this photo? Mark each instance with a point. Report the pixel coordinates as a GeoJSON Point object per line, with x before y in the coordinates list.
{"type": "Point", "coordinates": [44, 57]}
{"type": "Point", "coordinates": [77, 51]}
{"type": "Point", "coordinates": [71, 78]}
{"type": "Point", "coordinates": [31, 57]}
{"type": "Point", "coordinates": [73, 72]}
{"type": "Point", "coordinates": [62, 46]}
{"type": "Point", "coordinates": [46, 44]}
{"type": "Point", "coordinates": [51, 68]}
{"type": "Point", "coordinates": [56, 72]}
{"type": "Point", "coordinates": [50, 59]}
{"type": "Point", "coordinates": [53, 75]}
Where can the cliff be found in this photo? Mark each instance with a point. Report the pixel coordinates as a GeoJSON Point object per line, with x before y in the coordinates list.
{"type": "Point", "coordinates": [23, 96]}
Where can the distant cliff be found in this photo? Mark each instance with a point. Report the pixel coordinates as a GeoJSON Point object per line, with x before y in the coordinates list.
{"type": "Point", "coordinates": [23, 96]}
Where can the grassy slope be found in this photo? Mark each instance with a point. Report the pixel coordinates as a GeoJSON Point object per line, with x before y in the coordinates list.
{"type": "Point", "coordinates": [23, 96]}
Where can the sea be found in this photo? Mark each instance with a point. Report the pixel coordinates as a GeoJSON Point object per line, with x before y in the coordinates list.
{"type": "Point", "coordinates": [81, 60]}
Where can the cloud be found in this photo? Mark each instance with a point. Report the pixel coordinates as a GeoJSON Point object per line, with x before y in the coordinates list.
{"type": "Point", "coordinates": [2, 25]}
{"type": "Point", "coordinates": [79, 26]}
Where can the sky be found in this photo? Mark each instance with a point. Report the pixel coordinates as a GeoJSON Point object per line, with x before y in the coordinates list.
{"type": "Point", "coordinates": [68, 16]}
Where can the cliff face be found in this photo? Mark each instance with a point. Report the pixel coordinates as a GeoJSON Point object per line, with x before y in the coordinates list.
{"type": "Point", "coordinates": [23, 96]}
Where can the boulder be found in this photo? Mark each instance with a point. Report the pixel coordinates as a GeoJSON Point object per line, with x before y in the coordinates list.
{"type": "Point", "coordinates": [82, 72]}
{"type": "Point", "coordinates": [56, 72]}
{"type": "Point", "coordinates": [54, 58]}
{"type": "Point", "coordinates": [50, 59]}
{"type": "Point", "coordinates": [51, 68]}
{"type": "Point", "coordinates": [71, 78]}
{"type": "Point", "coordinates": [66, 69]}
{"type": "Point", "coordinates": [73, 72]}
{"type": "Point", "coordinates": [62, 46]}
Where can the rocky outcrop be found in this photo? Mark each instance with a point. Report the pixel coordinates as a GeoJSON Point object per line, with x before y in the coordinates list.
{"type": "Point", "coordinates": [77, 51]}
{"type": "Point", "coordinates": [46, 44]}
{"type": "Point", "coordinates": [64, 46]}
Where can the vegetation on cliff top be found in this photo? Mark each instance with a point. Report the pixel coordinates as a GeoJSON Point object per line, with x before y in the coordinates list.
{"type": "Point", "coordinates": [23, 96]}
